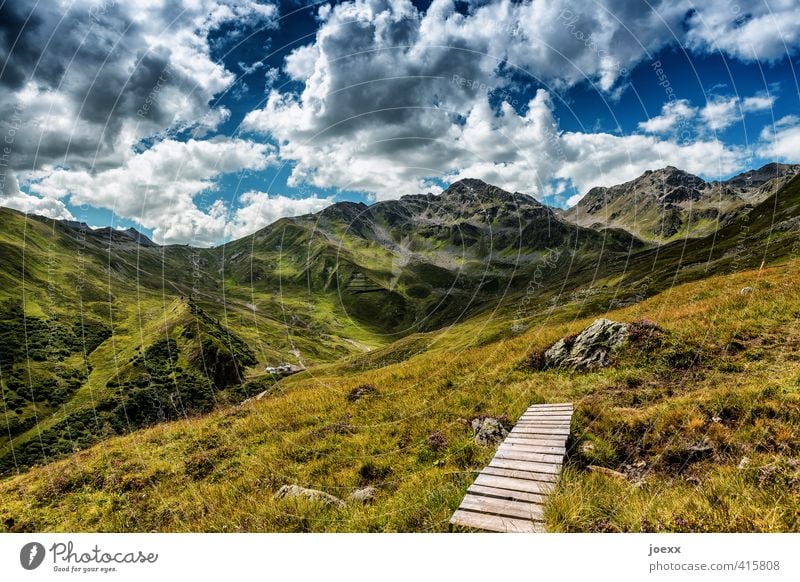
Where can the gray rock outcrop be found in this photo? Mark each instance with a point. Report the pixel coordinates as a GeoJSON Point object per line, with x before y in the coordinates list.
{"type": "Point", "coordinates": [590, 349]}
{"type": "Point", "coordinates": [295, 491]}
{"type": "Point", "coordinates": [364, 495]}
{"type": "Point", "coordinates": [489, 431]}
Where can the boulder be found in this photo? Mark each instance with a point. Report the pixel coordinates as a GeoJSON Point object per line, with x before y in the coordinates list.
{"type": "Point", "coordinates": [590, 349]}
{"type": "Point", "coordinates": [295, 491]}
{"type": "Point", "coordinates": [364, 495]}
{"type": "Point", "coordinates": [489, 431]}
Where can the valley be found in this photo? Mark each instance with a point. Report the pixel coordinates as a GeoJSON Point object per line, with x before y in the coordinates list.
{"type": "Point", "coordinates": [131, 362]}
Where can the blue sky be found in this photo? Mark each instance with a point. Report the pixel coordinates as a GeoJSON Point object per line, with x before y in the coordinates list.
{"type": "Point", "coordinates": [207, 121]}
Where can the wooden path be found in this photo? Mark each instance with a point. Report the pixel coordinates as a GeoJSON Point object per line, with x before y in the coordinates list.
{"type": "Point", "coordinates": [509, 494]}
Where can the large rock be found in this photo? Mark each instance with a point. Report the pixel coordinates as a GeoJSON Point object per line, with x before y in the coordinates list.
{"type": "Point", "coordinates": [590, 349]}
{"type": "Point", "coordinates": [295, 491]}
{"type": "Point", "coordinates": [489, 431]}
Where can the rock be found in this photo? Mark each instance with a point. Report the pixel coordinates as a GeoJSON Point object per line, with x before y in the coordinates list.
{"type": "Point", "coordinates": [590, 349]}
{"type": "Point", "coordinates": [745, 291]}
{"type": "Point", "coordinates": [489, 431]}
{"type": "Point", "coordinates": [364, 495]}
{"type": "Point", "coordinates": [295, 491]}
{"type": "Point", "coordinates": [607, 472]}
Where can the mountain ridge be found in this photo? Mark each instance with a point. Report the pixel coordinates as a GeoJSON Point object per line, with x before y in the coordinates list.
{"type": "Point", "coordinates": [669, 203]}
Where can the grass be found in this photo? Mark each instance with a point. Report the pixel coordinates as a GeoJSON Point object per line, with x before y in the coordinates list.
{"type": "Point", "coordinates": [219, 472]}
{"type": "Point", "coordinates": [707, 415]}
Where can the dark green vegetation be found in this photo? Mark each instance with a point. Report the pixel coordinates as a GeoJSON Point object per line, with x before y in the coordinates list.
{"type": "Point", "coordinates": [454, 293]}
{"type": "Point", "coordinates": [196, 327]}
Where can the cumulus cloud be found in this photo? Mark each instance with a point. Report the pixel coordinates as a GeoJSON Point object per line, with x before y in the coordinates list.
{"type": "Point", "coordinates": [672, 113]}
{"type": "Point", "coordinates": [86, 80]}
{"type": "Point", "coordinates": [159, 187]}
{"type": "Point", "coordinates": [392, 96]}
{"type": "Point", "coordinates": [259, 209]}
{"type": "Point", "coordinates": [747, 30]}
{"type": "Point", "coordinates": [386, 99]}
{"type": "Point", "coordinates": [717, 114]}
{"type": "Point", "coordinates": [40, 206]}
{"type": "Point", "coordinates": [781, 142]}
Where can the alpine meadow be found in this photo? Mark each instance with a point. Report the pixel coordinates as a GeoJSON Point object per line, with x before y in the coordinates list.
{"type": "Point", "coordinates": [392, 266]}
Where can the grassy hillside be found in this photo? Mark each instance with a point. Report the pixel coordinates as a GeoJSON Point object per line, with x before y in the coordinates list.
{"type": "Point", "coordinates": [701, 419]}
{"type": "Point", "coordinates": [724, 375]}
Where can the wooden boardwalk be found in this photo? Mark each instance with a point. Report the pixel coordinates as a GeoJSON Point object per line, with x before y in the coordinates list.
{"type": "Point", "coordinates": [509, 494]}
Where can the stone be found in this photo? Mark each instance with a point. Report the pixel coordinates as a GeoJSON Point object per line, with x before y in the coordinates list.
{"type": "Point", "coordinates": [295, 491]}
{"type": "Point", "coordinates": [489, 431]}
{"type": "Point", "coordinates": [745, 291]}
{"type": "Point", "coordinates": [364, 495]}
{"type": "Point", "coordinates": [590, 349]}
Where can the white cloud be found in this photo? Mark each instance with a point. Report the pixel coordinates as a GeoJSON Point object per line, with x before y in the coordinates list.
{"type": "Point", "coordinates": [258, 209]}
{"type": "Point", "coordinates": [720, 113]}
{"type": "Point", "coordinates": [34, 205]}
{"type": "Point", "coordinates": [159, 188]}
{"type": "Point", "coordinates": [747, 30]}
{"type": "Point", "coordinates": [604, 160]}
{"type": "Point", "coordinates": [84, 81]}
{"type": "Point", "coordinates": [392, 96]}
{"type": "Point", "coordinates": [781, 142]}
{"type": "Point", "coordinates": [758, 103]}
{"type": "Point", "coordinates": [672, 113]}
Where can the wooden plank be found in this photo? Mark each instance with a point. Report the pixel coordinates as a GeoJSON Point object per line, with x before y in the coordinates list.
{"type": "Point", "coordinates": [561, 451]}
{"type": "Point", "coordinates": [494, 522]}
{"type": "Point", "coordinates": [561, 426]}
{"type": "Point", "coordinates": [527, 456]}
{"type": "Point", "coordinates": [554, 430]}
{"type": "Point", "coordinates": [507, 494]}
{"type": "Point", "coordinates": [548, 436]}
{"type": "Point", "coordinates": [516, 474]}
{"type": "Point", "coordinates": [525, 466]}
{"type": "Point", "coordinates": [510, 492]}
{"type": "Point", "coordinates": [535, 434]}
{"type": "Point", "coordinates": [525, 485]}
{"type": "Point", "coordinates": [504, 507]}
{"type": "Point", "coordinates": [531, 440]}
{"type": "Point", "coordinates": [550, 412]}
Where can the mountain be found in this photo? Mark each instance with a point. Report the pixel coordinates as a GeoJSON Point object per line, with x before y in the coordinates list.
{"type": "Point", "coordinates": [671, 204]}
{"type": "Point", "coordinates": [420, 262]}
{"type": "Point", "coordinates": [699, 409]}
{"type": "Point", "coordinates": [106, 332]}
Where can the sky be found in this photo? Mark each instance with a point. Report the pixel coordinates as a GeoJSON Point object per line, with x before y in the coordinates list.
{"type": "Point", "coordinates": [201, 121]}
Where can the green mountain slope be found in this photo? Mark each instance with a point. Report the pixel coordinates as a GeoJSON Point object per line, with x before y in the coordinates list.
{"type": "Point", "coordinates": [105, 332]}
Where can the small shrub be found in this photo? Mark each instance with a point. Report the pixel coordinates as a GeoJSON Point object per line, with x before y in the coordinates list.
{"type": "Point", "coordinates": [437, 441]}
{"type": "Point", "coordinates": [361, 391]}
{"type": "Point", "coordinates": [371, 472]}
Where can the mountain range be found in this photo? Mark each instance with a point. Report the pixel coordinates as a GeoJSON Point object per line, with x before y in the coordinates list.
{"type": "Point", "coordinates": [105, 332]}
{"type": "Point", "coordinates": [670, 204]}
